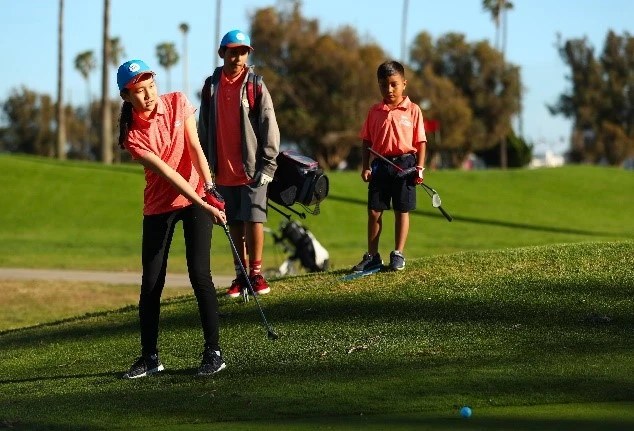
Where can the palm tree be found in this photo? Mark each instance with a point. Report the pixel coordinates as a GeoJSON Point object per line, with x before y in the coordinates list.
{"type": "Point", "coordinates": [115, 54]}
{"type": "Point", "coordinates": [184, 28]}
{"type": "Point", "coordinates": [498, 9]}
{"type": "Point", "coordinates": [403, 27]}
{"type": "Point", "coordinates": [85, 63]}
{"type": "Point", "coordinates": [115, 51]}
{"type": "Point", "coordinates": [106, 114]}
{"type": "Point", "coordinates": [60, 135]}
{"type": "Point", "coordinates": [218, 7]}
{"type": "Point", "coordinates": [167, 57]}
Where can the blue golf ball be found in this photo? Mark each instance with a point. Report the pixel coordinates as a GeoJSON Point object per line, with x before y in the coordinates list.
{"type": "Point", "coordinates": [465, 412]}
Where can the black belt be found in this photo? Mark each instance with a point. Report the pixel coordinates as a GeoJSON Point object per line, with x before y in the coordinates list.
{"type": "Point", "coordinates": [398, 158]}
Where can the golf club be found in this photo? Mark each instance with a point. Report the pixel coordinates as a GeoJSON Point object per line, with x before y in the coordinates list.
{"type": "Point", "coordinates": [269, 331]}
{"type": "Point", "coordinates": [402, 173]}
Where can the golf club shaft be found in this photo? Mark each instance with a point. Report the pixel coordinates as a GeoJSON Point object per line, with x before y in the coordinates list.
{"type": "Point", "coordinates": [440, 208]}
{"type": "Point", "coordinates": [270, 332]}
{"type": "Point", "coordinates": [400, 170]}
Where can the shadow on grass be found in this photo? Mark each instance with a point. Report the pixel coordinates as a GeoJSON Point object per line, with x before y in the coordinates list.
{"type": "Point", "coordinates": [499, 223]}
{"type": "Point", "coordinates": [116, 376]}
{"type": "Point", "coordinates": [304, 403]}
{"type": "Point", "coordinates": [367, 423]}
{"type": "Point", "coordinates": [354, 309]}
{"type": "Point", "coordinates": [424, 423]}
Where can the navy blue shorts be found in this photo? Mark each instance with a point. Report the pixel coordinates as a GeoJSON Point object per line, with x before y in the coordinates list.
{"type": "Point", "coordinates": [386, 190]}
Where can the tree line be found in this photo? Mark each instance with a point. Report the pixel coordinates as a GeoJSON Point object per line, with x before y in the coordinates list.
{"type": "Point", "coordinates": [600, 99]}
{"type": "Point", "coordinates": [323, 83]}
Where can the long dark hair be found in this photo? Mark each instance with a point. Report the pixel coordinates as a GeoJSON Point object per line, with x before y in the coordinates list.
{"type": "Point", "coordinates": [125, 120]}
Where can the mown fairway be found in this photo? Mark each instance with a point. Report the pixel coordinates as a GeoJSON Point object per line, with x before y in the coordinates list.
{"type": "Point", "coordinates": [84, 215]}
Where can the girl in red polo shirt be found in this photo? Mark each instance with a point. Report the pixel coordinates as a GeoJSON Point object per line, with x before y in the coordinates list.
{"type": "Point", "coordinates": [160, 133]}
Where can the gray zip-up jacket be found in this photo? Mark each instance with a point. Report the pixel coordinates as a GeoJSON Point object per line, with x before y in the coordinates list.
{"type": "Point", "coordinates": [260, 133]}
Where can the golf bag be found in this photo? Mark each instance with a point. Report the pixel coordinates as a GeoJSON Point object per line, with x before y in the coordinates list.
{"type": "Point", "coordinates": [298, 179]}
{"type": "Point", "coordinates": [301, 245]}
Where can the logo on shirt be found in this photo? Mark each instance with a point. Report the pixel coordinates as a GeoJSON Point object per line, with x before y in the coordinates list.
{"type": "Point", "coordinates": [178, 123]}
{"type": "Point", "coordinates": [405, 121]}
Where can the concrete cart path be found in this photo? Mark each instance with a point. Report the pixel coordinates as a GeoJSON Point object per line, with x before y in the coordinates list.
{"type": "Point", "coordinates": [107, 277]}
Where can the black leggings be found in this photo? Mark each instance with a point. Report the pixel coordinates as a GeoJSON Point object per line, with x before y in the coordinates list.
{"type": "Point", "coordinates": [158, 231]}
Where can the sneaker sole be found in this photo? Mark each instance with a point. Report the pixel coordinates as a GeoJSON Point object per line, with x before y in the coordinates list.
{"type": "Point", "coordinates": [147, 373]}
{"type": "Point", "coordinates": [233, 295]}
{"type": "Point", "coordinates": [222, 367]}
{"type": "Point", "coordinates": [371, 268]}
{"type": "Point", "coordinates": [263, 291]}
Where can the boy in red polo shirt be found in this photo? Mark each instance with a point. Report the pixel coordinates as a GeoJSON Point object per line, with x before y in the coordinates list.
{"type": "Point", "coordinates": [160, 133]}
{"type": "Point", "coordinates": [241, 142]}
{"type": "Point", "coordinates": [393, 128]}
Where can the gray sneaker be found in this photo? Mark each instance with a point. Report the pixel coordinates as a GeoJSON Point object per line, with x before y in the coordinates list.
{"type": "Point", "coordinates": [368, 262]}
{"type": "Point", "coordinates": [397, 261]}
{"type": "Point", "coordinates": [144, 366]}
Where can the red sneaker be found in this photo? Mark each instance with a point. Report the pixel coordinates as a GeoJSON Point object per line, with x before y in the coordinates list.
{"type": "Point", "coordinates": [236, 287]}
{"type": "Point", "coordinates": [259, 285]}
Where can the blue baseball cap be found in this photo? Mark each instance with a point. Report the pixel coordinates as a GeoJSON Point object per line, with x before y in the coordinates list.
{"type": "Point", "coordinates": [236, 38]}
{"type": "Point", "coordinates": [129, 70]}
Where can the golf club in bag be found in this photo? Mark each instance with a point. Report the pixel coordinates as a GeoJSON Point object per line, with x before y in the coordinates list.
{"type": "Point", "coordinates": [404, 173]}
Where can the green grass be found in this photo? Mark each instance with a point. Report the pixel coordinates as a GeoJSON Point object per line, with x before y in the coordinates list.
{"type": "Point", "coordinates": [522, 308]}
{"type": "Point", "coordinates": [530, 338]}
{"type": "Point", "coordinates": [30, 302]}
{"type": "Point", "coordinates": [87, 216]}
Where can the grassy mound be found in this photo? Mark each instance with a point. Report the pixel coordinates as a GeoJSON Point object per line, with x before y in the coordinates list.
{"type": "Point", "coordinates": [497, 330]}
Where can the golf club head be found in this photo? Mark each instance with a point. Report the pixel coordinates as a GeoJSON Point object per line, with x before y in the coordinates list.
{"type": "Point", "coordinates": [272, 335]}
{"type": "Point", "coordinates": [435, 200]}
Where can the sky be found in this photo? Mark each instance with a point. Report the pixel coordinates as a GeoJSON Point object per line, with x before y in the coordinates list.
{"type": "Point", "coordinates": [28, 40]}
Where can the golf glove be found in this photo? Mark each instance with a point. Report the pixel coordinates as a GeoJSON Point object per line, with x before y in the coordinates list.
{"type": "Point", "coordinates": [262, 179]}
{"type": "Point", "coordinates": [213, 198]}
{"type": "Point", "coordinates": [421, 174]}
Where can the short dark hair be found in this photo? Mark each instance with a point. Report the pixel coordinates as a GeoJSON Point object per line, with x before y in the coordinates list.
{"type": "Point", "coordinates": [389, 68]}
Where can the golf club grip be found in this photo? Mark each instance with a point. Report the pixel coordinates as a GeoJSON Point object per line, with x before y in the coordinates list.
{"type": "Point", "coordinates": [445, 213]}
{"type": "Point", "coordinates": [406, 172]}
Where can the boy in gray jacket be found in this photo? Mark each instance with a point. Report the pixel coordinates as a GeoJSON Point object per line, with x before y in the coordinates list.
{"type": "Point", "coordinates": [240, 137]}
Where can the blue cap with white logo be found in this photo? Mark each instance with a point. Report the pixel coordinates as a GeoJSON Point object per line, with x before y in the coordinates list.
{"type": "Point", "coordinates": [129, 70]}
{"type": "Point", "coordinates": [236, 38]}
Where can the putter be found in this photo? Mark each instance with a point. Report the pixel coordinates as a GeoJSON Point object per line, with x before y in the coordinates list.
{"type": "Point", "coordinates": [402, 173]}
{"type": "Point", "coordinates": [269, 331]}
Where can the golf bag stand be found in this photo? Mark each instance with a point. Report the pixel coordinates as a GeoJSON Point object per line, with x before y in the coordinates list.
{"type": "Point", "coordinates": [299, 244]}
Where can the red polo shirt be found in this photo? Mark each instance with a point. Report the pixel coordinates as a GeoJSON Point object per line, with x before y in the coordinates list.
{"type": "Point", "coordinates": [164, 135]}
{"type": "Point", "coordinates": [230, 167]}
{"type": "Point", "coordinates": [394, 132]}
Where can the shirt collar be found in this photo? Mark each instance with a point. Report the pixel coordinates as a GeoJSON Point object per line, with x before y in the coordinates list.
{"type": "Point", "coordinates": [160, 110]}
{"type": "Point", "coordinates": [404, 105]}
